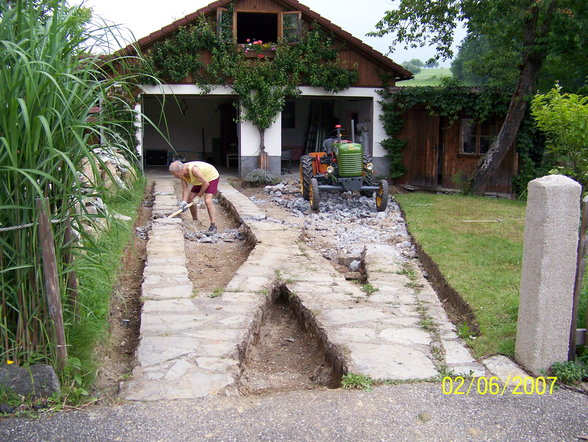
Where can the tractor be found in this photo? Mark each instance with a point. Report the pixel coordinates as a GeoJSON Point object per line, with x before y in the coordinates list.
{"type": "Point", "coordinates": [341, 166]}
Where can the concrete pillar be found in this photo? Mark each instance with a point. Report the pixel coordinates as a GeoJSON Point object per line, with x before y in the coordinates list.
{"type": "Point", "coordinates": [549, 268]}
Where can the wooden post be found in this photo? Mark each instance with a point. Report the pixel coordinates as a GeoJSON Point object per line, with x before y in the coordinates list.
{"type": "Point", "coordinates": [580, 269]}
{"type": "Point", "coordinates": [72, 279]}
{"type": "Point", "coordinates": [51, 280]}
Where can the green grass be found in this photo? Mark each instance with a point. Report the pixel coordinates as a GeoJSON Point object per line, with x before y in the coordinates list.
{"type": "Point", "coordinates": [97, 273]}
{"type": "Point", "coordinates": [357, 381]}
{"type": "Point", "coordinates": [427, 77]}
{"type": "Point", "coordinates": [482, 261]}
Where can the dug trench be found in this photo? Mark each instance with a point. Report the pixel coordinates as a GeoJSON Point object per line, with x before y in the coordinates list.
{"type": "Point", "coordinates": [286, 352]}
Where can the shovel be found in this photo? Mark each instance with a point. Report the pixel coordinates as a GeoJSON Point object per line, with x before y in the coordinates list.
{"type": "Point", "coordinates": [177, 212]}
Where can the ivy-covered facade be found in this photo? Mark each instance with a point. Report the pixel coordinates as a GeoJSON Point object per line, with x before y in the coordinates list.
{"type": "Point", "coordinates": [437, 135]}
{"type": "Point", "coordinates": [240, 78]}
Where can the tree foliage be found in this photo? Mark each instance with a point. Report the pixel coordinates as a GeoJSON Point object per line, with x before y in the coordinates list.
{"type": "Point", "coordinates": [476, 64]}
{"type": "Point", "coordinates": [531, 27]}
{"type": "Point", "coordinates": [415, 65]}
{"type": "Point", "coordinates": [564, 119]}
{"type": "Point", "coordinates": [483, 60]}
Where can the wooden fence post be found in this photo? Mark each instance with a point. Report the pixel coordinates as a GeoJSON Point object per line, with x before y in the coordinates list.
{"type": "Point", "coordinates": [580, 269]}
{"type": "Point", "coordinates": [72, 279]}
{"type": "Point", "coordinates": [51, 280]}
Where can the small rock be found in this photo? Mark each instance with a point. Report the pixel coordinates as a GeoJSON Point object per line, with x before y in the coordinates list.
{"type": "Point", "coordinates": [355, 266]}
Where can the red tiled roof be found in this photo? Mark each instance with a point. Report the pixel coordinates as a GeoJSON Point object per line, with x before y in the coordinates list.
{"type": "Point", "coordinates": [291, 4]}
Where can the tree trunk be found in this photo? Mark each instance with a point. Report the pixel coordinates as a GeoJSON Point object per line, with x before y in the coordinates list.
{"type": "Point", "coordinates": [263, 157]}
{"type": "Point", "coordinates": [533, 58]}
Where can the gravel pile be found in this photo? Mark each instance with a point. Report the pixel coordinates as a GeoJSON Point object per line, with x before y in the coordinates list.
{"type": "Point", "coordinates": [345, 223]}
{"type": "Point", "coordinates": [228, 235]}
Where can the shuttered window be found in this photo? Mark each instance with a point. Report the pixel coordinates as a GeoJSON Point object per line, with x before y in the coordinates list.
{"type": "Point", "coordinates": [291, 27]}
{"type": "Point", "coordinates": [224, 24]}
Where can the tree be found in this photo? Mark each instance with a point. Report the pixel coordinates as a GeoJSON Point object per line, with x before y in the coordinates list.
{"type": "Point", "coordinates": [432, 63]}
{"type": "Point", "coordinates": [524, 24]}
{"type": "Point", "coordinates": [564, 119]}
{"type": "Point", "coordinates": [478, 64]}
{"type": "Point", "coordinates": [481, 61]}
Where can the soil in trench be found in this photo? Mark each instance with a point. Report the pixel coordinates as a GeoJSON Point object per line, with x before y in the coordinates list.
{"type": "Point", "coordinates": [285, 356]}
{"type": "Point", "coordinates": [117, 351]}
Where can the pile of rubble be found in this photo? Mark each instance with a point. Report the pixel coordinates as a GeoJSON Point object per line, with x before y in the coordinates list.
{"type": "Point", "coordinates": [108, 173]}
{"type": "Point", "coordinates": [228, 235]}
{"type": "Point", "coordinates": [345, 223]}
{"type": "Point", "coordinates": [111, 171]}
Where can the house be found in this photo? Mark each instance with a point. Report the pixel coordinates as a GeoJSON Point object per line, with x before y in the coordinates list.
{"type": "Point", "coordinates": [202, 123]}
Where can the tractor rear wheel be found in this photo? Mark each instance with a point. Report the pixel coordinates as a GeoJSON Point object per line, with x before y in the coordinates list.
{"type": "Point", "coordinates": [315, 196]}
{"type": "Point", "coordinates": [305, 176]}
{"type": "Point", "coordinates": [382, 196]}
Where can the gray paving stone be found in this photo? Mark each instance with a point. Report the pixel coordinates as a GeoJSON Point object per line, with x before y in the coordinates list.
{"type": "Point", "coordinates": [336, 317]}
{"type": "Point", "coordinates": [190, 345]}
{"type": "Point", "coordinates": [456, 353]}
{"type": "Point", "coordinates": [396, 362]}
{"type": "Point", "coordinates": [404, 335]}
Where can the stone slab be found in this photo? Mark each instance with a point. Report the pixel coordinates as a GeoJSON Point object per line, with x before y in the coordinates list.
{"type": "Point", "coordinates": [390, 362]}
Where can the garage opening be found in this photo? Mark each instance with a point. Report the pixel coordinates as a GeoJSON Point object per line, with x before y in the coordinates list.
{"type": "Point", "coordinates": [191, 128]}
{"type": "Point", "coordinates": [307, 121]}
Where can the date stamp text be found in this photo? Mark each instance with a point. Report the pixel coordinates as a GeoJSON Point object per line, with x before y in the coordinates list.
{"type": "Point", "coordinates": [520, 385]}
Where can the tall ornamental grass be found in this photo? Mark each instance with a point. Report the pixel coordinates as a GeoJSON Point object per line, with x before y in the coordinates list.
{"type": "Point", "coordinates": [50, 83]}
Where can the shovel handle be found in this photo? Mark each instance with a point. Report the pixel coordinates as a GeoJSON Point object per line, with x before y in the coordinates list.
{"type": "Point", "coordinates": [177, 212]}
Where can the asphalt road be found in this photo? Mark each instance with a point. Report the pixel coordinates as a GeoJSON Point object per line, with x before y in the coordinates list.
{"type": "Point", "coordinates": [400, 412]}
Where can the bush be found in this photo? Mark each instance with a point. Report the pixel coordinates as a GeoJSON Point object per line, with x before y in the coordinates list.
{"type": "Point", "coordinates": [260, 177]}
{"type": "Point", "coordinates": [569, 372]}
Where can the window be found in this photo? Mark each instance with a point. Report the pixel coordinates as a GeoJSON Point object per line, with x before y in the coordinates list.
{"type": "Point", "coordinates": [254, 26]}
{"type": "Point", "coordinates": [291, 28]}
{"type": "Point", "coordinates": [476, 138]}
{"type": "Point", "coordinates": [224, 24]}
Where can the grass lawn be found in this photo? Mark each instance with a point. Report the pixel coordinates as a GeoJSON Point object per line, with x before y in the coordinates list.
{"type": "Point", "coordinates": [481, 260]}
{"type": "Point", "coordinates": [427, 77]}
{"type": "Point", "coordinates": [97, 273]}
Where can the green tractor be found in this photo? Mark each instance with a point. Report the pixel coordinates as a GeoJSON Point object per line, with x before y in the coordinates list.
{"type": "Point", "coordinates": [341, 166]}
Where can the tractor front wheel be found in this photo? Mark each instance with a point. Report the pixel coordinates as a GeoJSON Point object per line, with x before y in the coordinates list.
{"type": "Point", "coordinates": [305, 176]}
{"type": "Point", "coordinates": [382, 196]}
{"type": "Point", "coordinates": [314, 195]}
{"type": "Point", "coordinates": [368, 179]}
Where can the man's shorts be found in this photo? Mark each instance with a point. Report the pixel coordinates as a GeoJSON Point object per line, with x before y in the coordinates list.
{"type": "Point", "coordinates": [212, 187]}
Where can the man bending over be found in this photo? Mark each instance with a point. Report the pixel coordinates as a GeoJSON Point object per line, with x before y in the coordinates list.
{"type": "Point", "coordinates": [198, 178]}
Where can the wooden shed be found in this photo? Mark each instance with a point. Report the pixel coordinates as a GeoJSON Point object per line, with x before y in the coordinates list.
{"type": "Point", "coordinates": [440, 154]}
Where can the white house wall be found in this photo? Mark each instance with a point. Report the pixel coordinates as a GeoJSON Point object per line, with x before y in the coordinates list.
{"type": "Point", "coordinates": [249, 135]}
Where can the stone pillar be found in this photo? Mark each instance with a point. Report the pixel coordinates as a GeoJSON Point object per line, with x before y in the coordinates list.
{"type": "Point", "coordinates": [549, 268]}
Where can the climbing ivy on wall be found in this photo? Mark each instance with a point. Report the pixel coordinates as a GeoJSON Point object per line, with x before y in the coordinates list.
{"type": "Point", "coordinates": [451, 100]}
{"type": "Point", "coordinates": [262, 84]}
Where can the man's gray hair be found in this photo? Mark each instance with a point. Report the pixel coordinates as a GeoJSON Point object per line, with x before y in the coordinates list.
{"type": "Point", "coordinates": [176, 166]}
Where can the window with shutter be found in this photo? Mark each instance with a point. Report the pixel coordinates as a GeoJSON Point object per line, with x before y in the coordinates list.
{"type": "Point", "coordinates": [224, 24]}
{"type": "Point", "coordinates": [291, 27]}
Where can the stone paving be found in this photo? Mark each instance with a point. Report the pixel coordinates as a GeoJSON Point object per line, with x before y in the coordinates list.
{"type": "Point", "coordinates": [395, 328]}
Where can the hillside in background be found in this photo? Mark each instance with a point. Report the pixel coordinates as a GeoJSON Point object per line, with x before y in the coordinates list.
{"type": "Point", "coordinates": [427, 77]}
